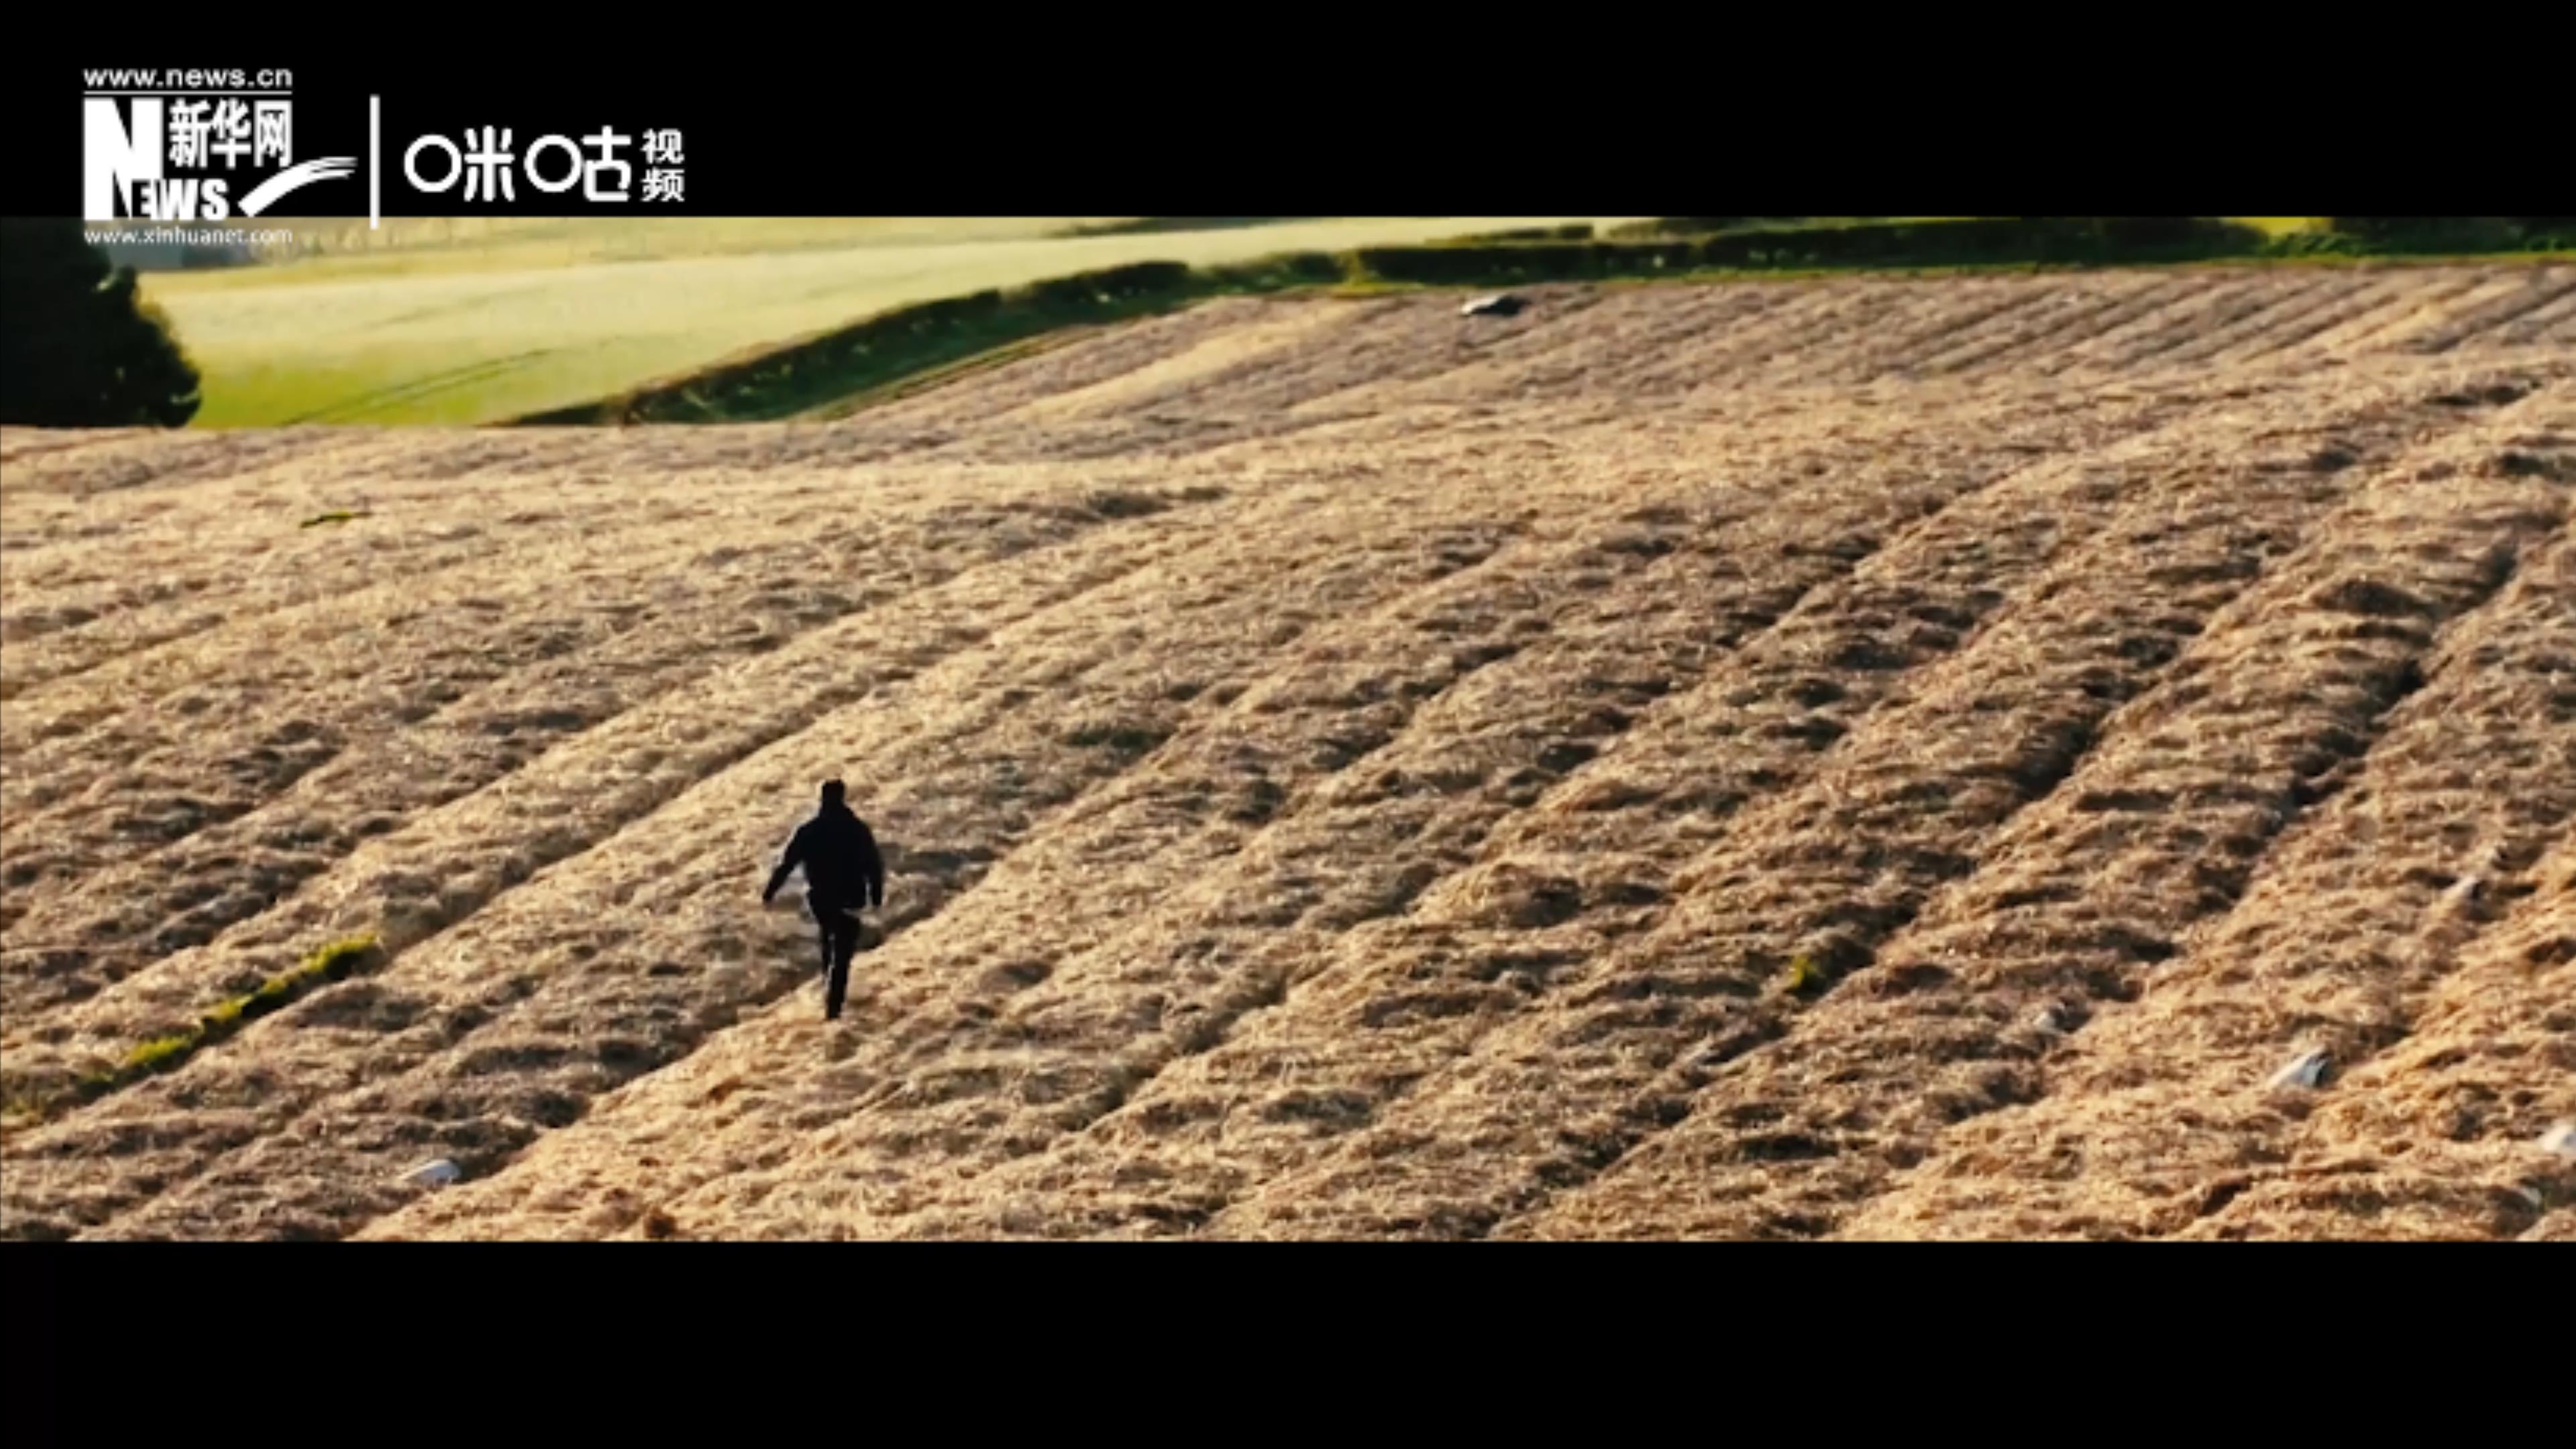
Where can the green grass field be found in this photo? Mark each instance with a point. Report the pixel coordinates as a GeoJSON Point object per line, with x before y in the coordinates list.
{"type": "Point", "coordinates": [437, 322]}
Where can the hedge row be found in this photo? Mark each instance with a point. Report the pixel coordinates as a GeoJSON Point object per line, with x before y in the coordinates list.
{"type": "Point", "coordinates": [1997, 240]}
{"type": "Point", "coordinates": [2458, 233]}
{"type": "Point", "coordinates": [1530, 262]}
{"type": "Point", "coordinates": [1571, 231]}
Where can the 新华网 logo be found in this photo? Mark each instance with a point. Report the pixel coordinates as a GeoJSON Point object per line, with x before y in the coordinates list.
{"type": "Point", "coordinates": [192, 145]}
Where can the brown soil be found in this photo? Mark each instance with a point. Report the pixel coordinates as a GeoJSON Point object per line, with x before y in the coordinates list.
{"type": "Point", "coordinates": [1842, 758]}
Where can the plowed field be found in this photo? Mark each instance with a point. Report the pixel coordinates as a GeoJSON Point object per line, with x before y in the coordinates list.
{"type": "Point", "coordinates": [1807, 759]}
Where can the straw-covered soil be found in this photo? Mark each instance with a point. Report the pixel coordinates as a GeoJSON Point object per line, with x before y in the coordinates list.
{"type": "Point", "coordinates": [1849, 758]}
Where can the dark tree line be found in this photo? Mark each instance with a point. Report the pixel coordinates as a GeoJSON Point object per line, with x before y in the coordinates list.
{"type": "Point", "coordinates": [79, 347]}
{"type": "Point", "coordinates": [2401, 228]}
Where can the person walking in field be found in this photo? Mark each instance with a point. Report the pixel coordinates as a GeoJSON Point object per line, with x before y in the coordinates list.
{"type": "Point", "coordinates": [843, 874]}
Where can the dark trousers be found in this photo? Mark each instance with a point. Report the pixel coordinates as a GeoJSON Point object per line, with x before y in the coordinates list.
{"type": "Point", "coordinates": [839, 930]}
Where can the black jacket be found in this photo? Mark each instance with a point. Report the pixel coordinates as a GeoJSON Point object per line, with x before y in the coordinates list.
{"type": "Point", "coordinates": [842, 868]}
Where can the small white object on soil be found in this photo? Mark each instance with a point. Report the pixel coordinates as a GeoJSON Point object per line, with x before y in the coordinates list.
{"type": "Point", "coordinates": [1501, 304]}
{"type": "Point", "coordinates": [2560, 1139]}
{"type": "Point", "coordinates": [2048, 1019]}
{"type": "Point", "coordinates": [2305, 1070]}
{"type": "Point", "coordinates": [438, 1172]}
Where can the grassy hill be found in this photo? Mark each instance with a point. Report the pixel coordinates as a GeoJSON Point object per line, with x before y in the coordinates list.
{"type": "Point", "coordinates": [436, 322]}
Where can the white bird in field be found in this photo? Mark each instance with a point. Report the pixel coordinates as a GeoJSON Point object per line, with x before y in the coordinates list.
{"type": "Point", "coordinates": [437, 1172]}
{"type": "Point", "coordinates": [2305, 1070]}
